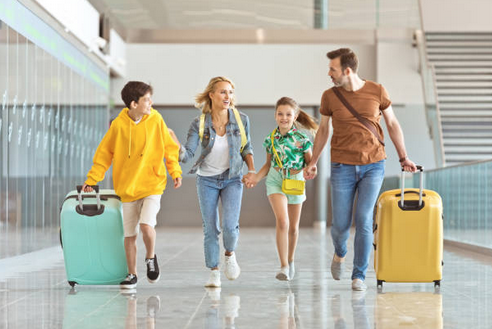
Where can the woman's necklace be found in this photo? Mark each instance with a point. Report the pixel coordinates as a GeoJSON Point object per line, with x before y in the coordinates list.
{"type": "Point", "coordinates": [220, 125]}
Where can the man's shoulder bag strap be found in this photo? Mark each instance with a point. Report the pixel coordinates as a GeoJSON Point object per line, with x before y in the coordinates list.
{"type": "Point", "coordinates": [362, 120]}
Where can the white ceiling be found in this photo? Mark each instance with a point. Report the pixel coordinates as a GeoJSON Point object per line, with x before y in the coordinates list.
{"type": "Point", "coordinates": [134, 19]}
{"type": "Point", "coordinates": [209, 14]}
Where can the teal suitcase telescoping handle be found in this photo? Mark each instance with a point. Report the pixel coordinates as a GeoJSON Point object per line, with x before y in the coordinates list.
{"type": "Point", "coordinates": [79, 196]}
{"type": "Point", "coordinates": [402, 203]}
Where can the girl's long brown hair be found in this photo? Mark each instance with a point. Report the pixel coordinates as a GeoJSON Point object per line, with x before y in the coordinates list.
{"type": "Point", "coordinates": [304, 120]}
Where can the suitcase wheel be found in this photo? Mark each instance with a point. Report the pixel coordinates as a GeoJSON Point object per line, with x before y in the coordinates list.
{"type": "Point", "coordinates": [437, 283]}
{"type": "Point", "coordinates": [72, 283]}
{"type": "Point", "coordinates": [380, 284]}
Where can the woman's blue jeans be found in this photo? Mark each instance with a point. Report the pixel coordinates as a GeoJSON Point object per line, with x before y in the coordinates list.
{"type": "Point", "coordinates": [230, 192]}
{"type": "Point", "coordinates": [347, 181]}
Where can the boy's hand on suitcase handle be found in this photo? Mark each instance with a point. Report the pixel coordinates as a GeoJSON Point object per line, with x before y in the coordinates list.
{"type": "Point", "coordinates": [87, 188]}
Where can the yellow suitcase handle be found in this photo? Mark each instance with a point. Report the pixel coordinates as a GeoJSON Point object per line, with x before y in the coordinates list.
{"type": "Point", "coordinates": [402, 183]}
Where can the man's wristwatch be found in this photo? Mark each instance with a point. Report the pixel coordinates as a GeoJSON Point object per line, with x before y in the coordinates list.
{"type": "Point", "coordinates": [403, 159]}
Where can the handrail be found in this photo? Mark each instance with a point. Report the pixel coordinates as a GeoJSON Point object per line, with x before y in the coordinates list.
{"type": "Point", "coordinates": [438, 114]}
{"type": "Point", "coordinates": [431, 102]}
{"type": "Point", "coordinates": [460, 165]}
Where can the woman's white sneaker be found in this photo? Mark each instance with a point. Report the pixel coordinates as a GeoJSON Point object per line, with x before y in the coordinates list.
{"type": "Point", "coordinates": [231, 270]}
{"type": "Point", "coordinates": [214, 279]}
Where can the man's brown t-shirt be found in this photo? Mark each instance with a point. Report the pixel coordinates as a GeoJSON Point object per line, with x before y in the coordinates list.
{"type": "Point", "coordinates": [352, 143]}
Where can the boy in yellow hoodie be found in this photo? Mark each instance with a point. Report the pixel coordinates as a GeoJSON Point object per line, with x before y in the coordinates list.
{"type": "Point", "coordinates": [136, 144]}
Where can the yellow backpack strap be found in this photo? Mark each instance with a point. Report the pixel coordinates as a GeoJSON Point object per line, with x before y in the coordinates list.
{"type": "Point", "coordinates": [202, 126]}
{"type": "Point", "coordinates": [244, 139]}
{"type": "Point", "coordinates": [277, 158]}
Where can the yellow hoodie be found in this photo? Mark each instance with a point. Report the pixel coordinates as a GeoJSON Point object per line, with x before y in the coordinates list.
{"type": "Point", "coordinates": [137, 152]}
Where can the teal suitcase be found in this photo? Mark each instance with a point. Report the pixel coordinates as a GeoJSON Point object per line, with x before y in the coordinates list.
{"type": "Point", "coordinates": [91, 235]}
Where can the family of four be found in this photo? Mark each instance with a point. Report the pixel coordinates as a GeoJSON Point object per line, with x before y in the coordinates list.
{"type": "Point", "coordinates": [138, 141]}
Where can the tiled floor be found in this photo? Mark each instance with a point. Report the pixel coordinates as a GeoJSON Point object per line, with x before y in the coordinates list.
{"type": "Point", "coordinates": [34, 292]}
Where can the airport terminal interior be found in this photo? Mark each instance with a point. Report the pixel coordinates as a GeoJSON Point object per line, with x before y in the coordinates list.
{"type": "Point", "coordinates": [62, 67]}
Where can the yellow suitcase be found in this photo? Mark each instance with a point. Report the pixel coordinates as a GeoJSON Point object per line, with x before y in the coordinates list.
{"type": "Point", "coordinates": [408, 236]}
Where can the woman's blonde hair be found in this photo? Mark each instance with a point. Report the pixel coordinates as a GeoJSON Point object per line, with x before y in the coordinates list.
{"type": "Point", "coordinates": [304, 120]}
{"type": "Point", "coordinates": [203, 101]}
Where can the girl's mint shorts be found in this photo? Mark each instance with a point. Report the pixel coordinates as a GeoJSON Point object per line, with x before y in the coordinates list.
{"type": "Point", "coordinates": [274, 186]}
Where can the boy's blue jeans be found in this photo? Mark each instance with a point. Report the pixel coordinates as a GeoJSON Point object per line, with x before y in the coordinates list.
{"type": "Point", "coordinates": [230, 191]}
{"type": "Point", "coordinates": [346, 180]}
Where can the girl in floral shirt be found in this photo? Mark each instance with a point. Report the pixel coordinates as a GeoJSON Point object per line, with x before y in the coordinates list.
{"type": "Point", "coordinates": [293, 148]}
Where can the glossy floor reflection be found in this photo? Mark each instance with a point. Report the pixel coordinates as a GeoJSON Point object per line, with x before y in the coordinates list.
{"type": "Point", "coordinates": [34, 292]}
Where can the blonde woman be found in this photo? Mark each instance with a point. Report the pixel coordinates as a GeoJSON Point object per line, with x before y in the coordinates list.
{"type": "Point", "coordinates": [223, 134]}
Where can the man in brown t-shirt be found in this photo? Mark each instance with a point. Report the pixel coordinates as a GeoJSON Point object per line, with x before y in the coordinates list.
{"type": "Point", "coordinates": [357, 157]}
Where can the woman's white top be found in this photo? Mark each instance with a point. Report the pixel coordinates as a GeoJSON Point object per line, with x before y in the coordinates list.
{"type": "Point", "coordinates": [217, 161]}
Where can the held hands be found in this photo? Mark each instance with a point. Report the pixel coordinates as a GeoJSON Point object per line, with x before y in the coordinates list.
{"type": "Point", "coordinates": [310, 171]}
{"type": "Point", "coordinates": [250, 180]}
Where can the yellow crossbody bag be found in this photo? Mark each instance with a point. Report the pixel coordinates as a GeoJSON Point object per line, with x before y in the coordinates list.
{"type": "Point", "coordinates": [289, 186]}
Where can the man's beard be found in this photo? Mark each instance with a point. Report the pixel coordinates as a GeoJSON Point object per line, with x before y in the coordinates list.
{"type": "Point", "coordinates": [340, 82]}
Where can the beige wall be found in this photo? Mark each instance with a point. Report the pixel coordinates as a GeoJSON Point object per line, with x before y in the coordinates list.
{"type": "Point", "coordinates": [262, 73]}
{"type": "Point", "coordinates": [457, 15]}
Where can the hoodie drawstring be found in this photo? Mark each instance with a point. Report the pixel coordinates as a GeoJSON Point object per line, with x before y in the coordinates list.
{"type": "Point", "coordinates": [145, 143]}
{"type": "Point", "coordinates": [131, 123]}
{"type": "Point", "coordinates": [130, 141]}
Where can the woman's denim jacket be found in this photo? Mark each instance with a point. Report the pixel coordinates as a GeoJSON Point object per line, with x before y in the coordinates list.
{"type": "Point", "coordinates": [233, 139]}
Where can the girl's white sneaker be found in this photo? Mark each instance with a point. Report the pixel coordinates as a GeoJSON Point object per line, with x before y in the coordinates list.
{"type": "Point", "coordinates": [283, 274]}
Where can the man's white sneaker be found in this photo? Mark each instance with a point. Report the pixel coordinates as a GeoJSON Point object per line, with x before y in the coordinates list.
{"type": "Point", "coordinates": [358, 285]}
{"type": "Point", "coordinates": [214, 280]}
{"type": "Point", "coordinates": [337, 269]}
{"type": "Point", "coordinates": [283, 274]}
{"type": "Point", "coordinates": [231, 270]}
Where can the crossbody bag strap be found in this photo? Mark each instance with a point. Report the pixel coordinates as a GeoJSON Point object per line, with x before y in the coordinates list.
{"type": "Point", "coordinates": [277, 158]}
{"type": "Point", "coordinates": [362, 120]}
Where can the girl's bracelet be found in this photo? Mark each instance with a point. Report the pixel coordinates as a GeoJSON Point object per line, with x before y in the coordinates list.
{"type": "Point", "coordinates": [251, 171]}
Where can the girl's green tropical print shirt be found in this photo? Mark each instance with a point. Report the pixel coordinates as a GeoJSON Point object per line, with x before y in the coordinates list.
{"type": "Point", "coordinates": [290, 148]}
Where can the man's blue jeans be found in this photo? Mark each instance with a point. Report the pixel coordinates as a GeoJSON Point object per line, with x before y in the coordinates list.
{"type": "Point", "coordinates": [346, 180]}
{"type": "Point", "coordinates": [230, 191]}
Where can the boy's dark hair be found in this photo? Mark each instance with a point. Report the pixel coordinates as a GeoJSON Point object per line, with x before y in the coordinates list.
{"type": "Point", "coordinates": [347, 58]}
{"type": "Point", "coordinates": [133, 90]}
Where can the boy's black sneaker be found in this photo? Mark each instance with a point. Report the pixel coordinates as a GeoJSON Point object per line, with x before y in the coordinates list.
{"type": "Point", "coordinates": [130, 282]}
{"type": "Point", "coordinates": [153, 274]}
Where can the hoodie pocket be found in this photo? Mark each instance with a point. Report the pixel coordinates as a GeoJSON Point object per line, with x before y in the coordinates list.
{"type": "Point", "coordinates": [160, 171]}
